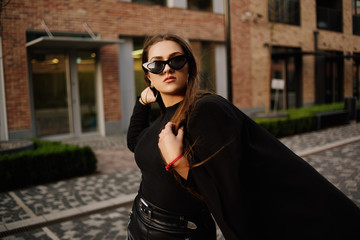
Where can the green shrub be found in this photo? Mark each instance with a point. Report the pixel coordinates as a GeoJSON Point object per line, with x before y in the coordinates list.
{"type": "Point", "coordinates": [49, 161]}
{"type": "Point", "coordinates": [299, 120]}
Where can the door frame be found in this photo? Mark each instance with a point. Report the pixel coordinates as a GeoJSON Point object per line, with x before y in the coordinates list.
{"type": "Point", "coordinates": [73, 96]}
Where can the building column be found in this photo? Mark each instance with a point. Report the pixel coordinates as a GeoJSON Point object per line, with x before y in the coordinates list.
{"type": "Point", "coordinates": [3, 116]}
{"type": "Point", "coordinates": [127, 82]}
{"type": "Point", "coordinates": [220, 71]}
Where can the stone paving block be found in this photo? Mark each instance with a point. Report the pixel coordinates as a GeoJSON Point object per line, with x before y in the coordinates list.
{"type": "Point", "coordinates": [2, 228]}
{"type": "Point", "coordinates": [106, 225]}
{"type": "Point", "coordinates": [74, 193]}
{"type": "Point", "coordinates": [10, 211]}
{"type": "Point", "coordinates": [341, 166]}
{"type": "Point", "coordinates": [305, 141]}
{"type": "Point", "coordinates": [123, 199]}
{"type": "Point", "coordinates": [96, 206]}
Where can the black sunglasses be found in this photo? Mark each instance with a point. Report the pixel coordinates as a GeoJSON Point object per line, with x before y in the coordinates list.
{"type": "Point", "coordinates": [157, 67]}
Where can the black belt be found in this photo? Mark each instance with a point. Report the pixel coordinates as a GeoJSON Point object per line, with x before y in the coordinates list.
{"type": "Point", "coordinates": [160, 216]}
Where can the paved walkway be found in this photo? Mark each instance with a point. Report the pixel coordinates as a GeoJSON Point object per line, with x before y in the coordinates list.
{"type": "Point", "coordinates": [97, 206]}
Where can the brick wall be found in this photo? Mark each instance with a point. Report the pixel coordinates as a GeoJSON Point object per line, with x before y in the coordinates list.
{"type": "Point", "coordinates": [109, 18]}
{"type": "Point", "coordinates": [240, 55]}
{"type": "Point", "coordinates": [113, 18]}
{"type": "Point", "coordinates": [250, 67]}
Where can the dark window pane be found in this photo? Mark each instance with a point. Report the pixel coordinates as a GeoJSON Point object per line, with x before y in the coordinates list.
{"type": "Point", "coordinates": [202, 5]}
{"type": "Point", "coordinates": [151, 2]}
{"type": "Point", "coordinates": [329, 15]}
{"type": "Point", "coordinates": [356, 17]}
{"type": "Point", "coordinates": [284, 11]}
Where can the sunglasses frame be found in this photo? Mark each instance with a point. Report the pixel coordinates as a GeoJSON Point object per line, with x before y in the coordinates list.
{"type": "Point", "coordinates": [167, 62]}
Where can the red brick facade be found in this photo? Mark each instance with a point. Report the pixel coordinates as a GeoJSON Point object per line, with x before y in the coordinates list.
{"type": "Point", "coordinates": [109, 19]}
{"type": "Point", "coordinates": [250, 56]}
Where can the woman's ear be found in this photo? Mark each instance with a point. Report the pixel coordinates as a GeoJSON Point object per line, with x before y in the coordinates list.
{"type": "Point", "coordinates": [147, 79]}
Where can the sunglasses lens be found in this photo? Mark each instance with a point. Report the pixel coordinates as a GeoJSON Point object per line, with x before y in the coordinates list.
{"type": "Point", "coordinates": [178, 62]}
{"type": "Point", "coordinates": [156, 67]}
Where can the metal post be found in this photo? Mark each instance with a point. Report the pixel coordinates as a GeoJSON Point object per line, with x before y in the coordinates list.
{"type": "Point", "coordinates": [228, 48]}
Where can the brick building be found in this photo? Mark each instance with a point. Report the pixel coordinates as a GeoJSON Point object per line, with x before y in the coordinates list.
{"type": "Point", "coordinates": [72, 67]}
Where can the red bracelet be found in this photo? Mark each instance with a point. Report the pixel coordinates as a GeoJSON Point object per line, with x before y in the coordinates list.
{"type": "Point", "coordinates": [167, 167]}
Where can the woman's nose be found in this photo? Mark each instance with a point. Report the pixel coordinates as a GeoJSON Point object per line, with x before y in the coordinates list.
{"type": "Point", "coordinates": [167, 68]}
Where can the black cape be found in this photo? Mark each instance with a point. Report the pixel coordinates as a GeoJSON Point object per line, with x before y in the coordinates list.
{"type": "Point", "coordinates": [255, 187]}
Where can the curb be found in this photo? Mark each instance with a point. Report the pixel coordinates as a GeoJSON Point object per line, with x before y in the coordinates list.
{"type": "Point", "coordinates": [60, 216]}
{"type": "Point", "coordinates": [328, 146]}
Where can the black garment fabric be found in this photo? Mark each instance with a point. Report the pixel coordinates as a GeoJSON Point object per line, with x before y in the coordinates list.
{"type": "Point", "coordinates": [158, 186]}
{"type": "Point", "coordinates": [254, 186]}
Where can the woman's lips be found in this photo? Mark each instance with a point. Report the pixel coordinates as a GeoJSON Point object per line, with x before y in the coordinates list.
{"type": "Point", "coordinates": [169, 79]}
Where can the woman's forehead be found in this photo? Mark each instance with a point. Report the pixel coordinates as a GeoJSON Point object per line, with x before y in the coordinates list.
{"type": "Point", "coordinates": [164, 49]}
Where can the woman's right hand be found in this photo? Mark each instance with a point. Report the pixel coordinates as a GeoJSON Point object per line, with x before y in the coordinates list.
{"type": "Point", "coordinates": [147, 96]}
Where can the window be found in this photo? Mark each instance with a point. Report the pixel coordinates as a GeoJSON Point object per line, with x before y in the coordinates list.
{"type": "Point", "coordinates": [151, 2]}
{"type": "Point", "coordinates": [202, 5]}
{"type": "Point", "coordinates": [284, 11]}
{"type": "Point", "coordinates": [329, 15]}
{"type": "Point", "coordinates": [205, 56]}
{"type": "Point", "coordinates": [140, 84]}
{"type": "Point", "coordinates": [356, 17]}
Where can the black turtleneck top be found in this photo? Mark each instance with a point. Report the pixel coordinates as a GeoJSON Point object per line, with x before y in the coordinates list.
{"type": "Point", "coordinates": [157, 185]}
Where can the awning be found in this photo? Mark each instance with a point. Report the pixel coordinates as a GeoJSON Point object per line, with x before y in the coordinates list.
{"type": "Point", "coordinates": [69, 43]}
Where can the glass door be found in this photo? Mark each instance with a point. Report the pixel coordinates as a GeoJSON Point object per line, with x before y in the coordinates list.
{"type": "Point", "coordinates": [87, 91]}
{"type": "Point", "coordinates": [286, 66]}
{"type": "Point", "coordinates": [51, 94]}
{"type": "Point", "coordinates": [64, 93]}
{"type": "Point", "coordinates": [334, 81]}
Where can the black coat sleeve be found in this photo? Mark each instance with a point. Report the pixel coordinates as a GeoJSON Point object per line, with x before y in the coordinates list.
{"type": "Point", "coordinates": [139, 121]}
{"type": "Point", "coordinates": [255, 187]}
{"type": "Point", "coordinates": [215, 131]}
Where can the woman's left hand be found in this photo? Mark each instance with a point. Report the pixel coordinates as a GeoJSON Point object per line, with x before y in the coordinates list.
{"type": "Point", "coordinates": [171, 146]}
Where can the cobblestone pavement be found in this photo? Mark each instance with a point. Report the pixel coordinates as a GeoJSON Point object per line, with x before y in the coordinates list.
{"type": "Point", "coordinates": [117, 176]}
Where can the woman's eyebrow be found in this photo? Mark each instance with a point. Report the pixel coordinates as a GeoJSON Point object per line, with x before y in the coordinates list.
{"type": "Point", "coordinates": [170, 55]}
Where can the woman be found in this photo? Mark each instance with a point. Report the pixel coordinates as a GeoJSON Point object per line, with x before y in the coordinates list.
{"type": "Point", "coordinates": [203, 155]}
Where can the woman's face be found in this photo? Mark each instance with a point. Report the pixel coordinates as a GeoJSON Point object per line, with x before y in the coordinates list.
{"type": "Point", "coordinates": [170, 82]}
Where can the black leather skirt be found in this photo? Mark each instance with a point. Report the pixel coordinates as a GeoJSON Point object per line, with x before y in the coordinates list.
{"type": "Point", "coordinates": [150, 222]}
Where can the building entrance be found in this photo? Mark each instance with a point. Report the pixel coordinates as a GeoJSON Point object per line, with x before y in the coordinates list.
{"type": "Point", "coordinates": [286, 66]}
{"type": "Point", "coordinates": [64, 93]}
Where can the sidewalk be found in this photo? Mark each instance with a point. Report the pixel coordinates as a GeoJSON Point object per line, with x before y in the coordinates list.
{"type": "Point", "coordinates": [115, 184]}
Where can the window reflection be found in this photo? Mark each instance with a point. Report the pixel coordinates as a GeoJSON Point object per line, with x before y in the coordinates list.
{"type": "Point", "coordinates": [202, 5]}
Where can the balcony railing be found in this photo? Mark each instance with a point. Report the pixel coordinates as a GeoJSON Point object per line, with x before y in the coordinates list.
{"type": "Point", "coordinates": [329, 19]}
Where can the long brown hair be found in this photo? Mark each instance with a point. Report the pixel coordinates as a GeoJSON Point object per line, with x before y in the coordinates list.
{"type": "Point", "coordinates": [192, 93]}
